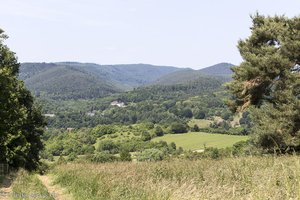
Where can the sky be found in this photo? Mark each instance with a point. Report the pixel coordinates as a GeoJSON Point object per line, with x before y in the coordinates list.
{"type": "Point", "coordinates": [181, 33]}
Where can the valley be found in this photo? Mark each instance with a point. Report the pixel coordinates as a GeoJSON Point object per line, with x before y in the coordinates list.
{"type": "Point", "coordinates": [183, 107]}
{"type": "Point", "coordinates": [128, 115]}
{"type": "Point", "coordinates": [186, 126]}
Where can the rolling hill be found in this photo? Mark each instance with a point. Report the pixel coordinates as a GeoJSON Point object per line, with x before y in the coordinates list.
{"type": "Point", "coordinates": [219, 71]}
{"type": "Point", "coordinates": [71, 80]}
{"type": "Point", "coordinates": [63, 82]}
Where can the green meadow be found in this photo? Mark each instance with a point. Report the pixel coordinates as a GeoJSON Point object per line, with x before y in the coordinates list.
{"type": "Point", "coordinates": [200, 140]}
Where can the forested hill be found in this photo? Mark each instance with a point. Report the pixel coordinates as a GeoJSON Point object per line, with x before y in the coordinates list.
{"type": "Point", "coordinates": [64, 82]}
{"type": "Point", "coordinates": [220, 71]}
{"type": "Point", "coordinates": [72, 80]}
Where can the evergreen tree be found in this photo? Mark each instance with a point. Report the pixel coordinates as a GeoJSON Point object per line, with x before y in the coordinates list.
{"type": "Point", "coordinates": [268, 80]}
{"type": "Point", "coordinates": [21, 123]}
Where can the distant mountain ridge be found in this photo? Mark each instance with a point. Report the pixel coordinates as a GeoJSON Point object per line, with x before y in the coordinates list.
{"type": "Point", "coordinates": [73, 80]}
{"type": "Point", "coordinates": [222, 71]}
{"type": "Point", "coordinates": [64, 80]}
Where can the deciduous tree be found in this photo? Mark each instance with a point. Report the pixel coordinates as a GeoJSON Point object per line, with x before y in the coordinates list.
{"type": "Point", "coordinates": [21, 122]}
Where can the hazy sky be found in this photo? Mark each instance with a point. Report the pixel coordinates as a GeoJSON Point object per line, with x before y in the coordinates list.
{"type": "Point", "coordinates": [183, 33]}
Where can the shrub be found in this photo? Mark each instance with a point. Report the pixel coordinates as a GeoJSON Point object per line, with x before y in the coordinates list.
{"type": "Point", "coordinates": [159, 131]}
{"type": "Point", "coordinates": [125, 155]}
{"type": "Point", "coordinates": [146, 136]}
{"type": "Point", "coordinates": [151, 155]}
{"type": "Point", "coordinates": [72, 156]}
{"type": "Point", "coordinates": [104, 130]}
{"type": "Point", "coordinates": [108, 146]}
{"type": "Point", "coordinates": [186, 112]}
{"type": "Point", "coordinates": [102, 157]}
{"type": "Point", "coordinates": [195, 128]}
{"type": "Point", "coordinates": [212, 152]}
{"type": "Point", "coordinates": [149, 125]}
{"type": "Point", "coordinates": [178, 127]}
{"type": "Point", "coordinates": [172, 146]}
{"type": "Point", "coordinates": [199, 115]}
{"type": "Point", "coordinates": [89, 149]}
{"type": "Point", "coordinates": [61, 160]}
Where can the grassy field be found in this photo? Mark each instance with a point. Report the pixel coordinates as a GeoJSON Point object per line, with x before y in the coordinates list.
{"type": "Point", "coordinates": [196, 140]}
{"type": "Point", "coordinates": [230, 178]}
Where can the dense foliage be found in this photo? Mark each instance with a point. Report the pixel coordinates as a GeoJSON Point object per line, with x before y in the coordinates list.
{"type": "Point", "coordinates": [71, 80]}
{"type": "Point", "coordinates": [21, 123]}
{"type": "Point", "coordinates": [157, 104]}
{"type": "Point", "coordinates": [268, 79]}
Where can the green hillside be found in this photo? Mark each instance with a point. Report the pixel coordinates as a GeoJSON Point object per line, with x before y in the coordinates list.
{"type": "Point", "coordinates": [72, 80]}
{"type": "Point", "coordinates": [177, 96]}
{"type": "Point", "coordinates": [221, 69]}
{"type": "Point", "coordinates": [125, 76]}
{"type": "Point", "coordinates": [179, 77]}
{"type": "Point", "coordinates": [65, 82]}
{"type": "Point", "coordinates": [156, 104]}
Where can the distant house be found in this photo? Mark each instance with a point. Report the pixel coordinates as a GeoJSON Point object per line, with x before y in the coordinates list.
{"type": "Point", "coordinates": [90, 114]}
{"type": "Point", "coordinates": [118, 103]}
{"type": "Point", "coordinates": [49, 115]}
{"type": "Point", "coordinates": [295, 69]}
{"type": "Point", "coordinates": [70, 129]}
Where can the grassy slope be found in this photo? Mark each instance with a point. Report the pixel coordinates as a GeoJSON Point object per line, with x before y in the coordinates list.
{"type": "Point", "coordinates": [230, 178]}
{"type": "Point", "coordinates": [196, 140]}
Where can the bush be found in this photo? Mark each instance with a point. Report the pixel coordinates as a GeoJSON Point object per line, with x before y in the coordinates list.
{"type": "Point", "coordinates": [195, 128]}
{"type": "Point", "coordinates": [199, 115]}
{"type": "Point", "coordinates": [61, 160]}
{"type": "Point", "coordinates": [72, 156]}
{"type": "Point", "coordinates": [104, 130]}
{"type": "Point", "coordinates": [212, 152]}
{"type": "Point", "coordinates": [172, 146]}
{"type": "Point", "coordinates": [146, 136]}
{"type": "Point", "coordinates": [108, 146]}
{"type": "Point", "coordinates": [159, 131]}
{"type": "Point", "coordinates": [151, 155]}
{"type": "Point", "coordinates": [186, 112]}
{"type": "Point", "coordinates": [102, 157]}
{"type": "Point", "coordinates": [89, 149]}
{"type": "Point", "coordinates": [226, 115]}
{"type": "Point", "coordinates": [241, 148]}
{"type": "Point", "coordinates": [177, 127]}
{"type": "Point", "coordinates": [149, 125]}
{"type": "Point", "coordinates": [125, 155]}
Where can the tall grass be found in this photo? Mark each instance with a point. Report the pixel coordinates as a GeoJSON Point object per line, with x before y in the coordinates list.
{"type": "Point", "coordinates": [28, 186]}
{"type": "Point", "coordinates": [230, 178]}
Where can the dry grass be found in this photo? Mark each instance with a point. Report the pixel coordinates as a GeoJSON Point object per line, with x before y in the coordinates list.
{"type": "Point", "coordinates": [231, 178]}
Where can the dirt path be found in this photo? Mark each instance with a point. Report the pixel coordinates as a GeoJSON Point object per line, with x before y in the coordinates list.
{"type": "Point", "coordinates": [5, 188]}
{"type": "Point", "coordinates": [58, 192]}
